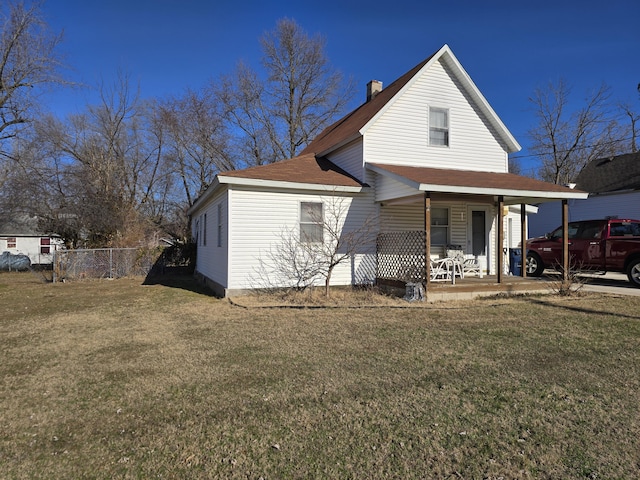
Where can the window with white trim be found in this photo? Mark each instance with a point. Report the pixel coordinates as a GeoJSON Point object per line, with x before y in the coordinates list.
{"type": "Point", "coordinates": [439, 226]}
{"type": "Point", "coordinates": [438, 126]}
{"type": "Point", "coordinates": [204, 230]}
{"type": "Point", "coordinates": [311, 221]}
{"type": "Point", "coordinates": [219, 224]}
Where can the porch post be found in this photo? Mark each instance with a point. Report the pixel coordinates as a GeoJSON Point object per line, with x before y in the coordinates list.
{"type": "Point", "coordinates": [427, 241]}
{"type": "Point", "coordinates": [500, 237]}
{"type": "Point", "coordinates": [523, 239]}
{"type": "Point", "coordinates": [565, 241]}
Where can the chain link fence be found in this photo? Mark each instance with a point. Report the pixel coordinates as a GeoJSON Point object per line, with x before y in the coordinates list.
{"type": "Point", "coordinates": [102, 263]}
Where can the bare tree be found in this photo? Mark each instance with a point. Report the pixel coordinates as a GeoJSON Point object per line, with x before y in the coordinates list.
{"type": "Point", "coordinates": [633, 118]}
{"type": "Point", "coordinates": [196, 141]}
{"type": "Point", "coordinates": [566, 141]}
{"type": "Point", "coordinates": [299, 95]}
{"type": "Point", "coordinates": [303, 257]}
{"type": "Point", "coordinates": [106, 164]}
{"type": "Point", "coordinates": [28, 62]}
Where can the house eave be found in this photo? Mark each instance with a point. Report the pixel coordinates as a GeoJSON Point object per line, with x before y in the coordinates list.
{"type": "Point", "coordinates": [281, 184]}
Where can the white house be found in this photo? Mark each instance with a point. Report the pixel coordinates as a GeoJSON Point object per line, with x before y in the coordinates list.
{"type": "Point", "coordinates": [613, 184]}
{"type": "Point", "coordinates": [427, 154]}
{"type": "Point", "coordinates": [23, 236]}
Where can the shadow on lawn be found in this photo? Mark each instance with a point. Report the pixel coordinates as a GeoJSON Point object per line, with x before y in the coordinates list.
{"type": "Point", "coordinates": [176, 277]}
{"type": "Point", "coordinates": [539, 301]}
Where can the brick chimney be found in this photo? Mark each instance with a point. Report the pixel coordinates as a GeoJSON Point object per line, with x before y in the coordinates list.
{"type": "Point", "coordinates": [374, 87]}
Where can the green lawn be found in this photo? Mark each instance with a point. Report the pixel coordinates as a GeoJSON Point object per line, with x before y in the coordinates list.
{"type": "Point", "coordinates": [116, 379]}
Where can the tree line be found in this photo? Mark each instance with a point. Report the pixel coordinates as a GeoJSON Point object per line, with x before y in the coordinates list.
{"type": "Point", "coordinates": [126, 169]}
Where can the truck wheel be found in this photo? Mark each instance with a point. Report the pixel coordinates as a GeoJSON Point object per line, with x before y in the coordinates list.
{"type": "Point", "coordinates": [535, 267]}
{"type": "Point", "coordinates": [633, 272]}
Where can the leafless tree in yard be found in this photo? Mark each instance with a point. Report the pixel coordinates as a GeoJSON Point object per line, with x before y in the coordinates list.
{"type": "Point", "coordinates": [310, 253]}
{"type": "Point", "coordinates": [300, 94]}
{"type": "Point", "coordinates": [28, 64]}
{"type": "Point", "coordinates": [107, 166]}
{"type": "Point", "coordinates": [565, 141]}
{"type": "Point", "coordinates": [196, 146]}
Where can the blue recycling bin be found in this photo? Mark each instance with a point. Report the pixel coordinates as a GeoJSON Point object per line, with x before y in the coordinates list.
{"type": "Point", "coordinates": [515, 261]}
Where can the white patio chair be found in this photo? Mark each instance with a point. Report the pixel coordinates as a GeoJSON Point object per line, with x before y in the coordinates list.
{"type": "Point", "coordinates": [440, 269]}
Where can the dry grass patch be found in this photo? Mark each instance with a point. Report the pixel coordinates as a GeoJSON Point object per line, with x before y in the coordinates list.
{"type": "Point", "coordinates": [116, 379]}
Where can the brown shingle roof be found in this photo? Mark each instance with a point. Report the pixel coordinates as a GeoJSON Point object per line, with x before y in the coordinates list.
{"type": "Point", "coordinates": [348, 127]}
{"type": "Point", "coordinates": [301, 169]}
{"type": "Point", "coordinates": [473, 179]}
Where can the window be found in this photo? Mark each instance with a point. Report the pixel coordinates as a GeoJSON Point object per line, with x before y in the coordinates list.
{"type": "Point", "coordinates": [204, 230]}
{"type": "Point", "coordinates": [438, 126]}
{"type": "Point", "coordinates": [219, 224]}
{"type": "Point", "coordinates": [439, 226]}
{"type": "Point", "coordinates": [311, 220]}
{"type": "Point", "coordinates": [625, 229]}
{"type": "Point", "coordinates": [45, 246]}
{"type": "Point", "coordinates": [11, 242]}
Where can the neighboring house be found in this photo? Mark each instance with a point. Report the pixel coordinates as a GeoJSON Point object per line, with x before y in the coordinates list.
{"type": "Point", "coordinates": [613, 184]}
{"type": "Point", "coordinates": [23, 236]}
{"type": "Point", "coordinates": [427, 154]}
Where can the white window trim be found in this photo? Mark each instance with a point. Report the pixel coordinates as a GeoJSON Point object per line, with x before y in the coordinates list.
{"type": "Point", "coordinates": [320, 222]}
{"type": "Point", "coordinates": [447, 226]}
{"type": "Point", "coordinates": [448, 111]}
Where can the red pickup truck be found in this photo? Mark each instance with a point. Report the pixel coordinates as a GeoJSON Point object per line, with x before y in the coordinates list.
{"type": "Point", "coordinates": [608, 245]}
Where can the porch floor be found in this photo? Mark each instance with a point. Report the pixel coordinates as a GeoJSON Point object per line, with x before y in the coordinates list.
{"type": "Point", "coordinates": [472, 287]}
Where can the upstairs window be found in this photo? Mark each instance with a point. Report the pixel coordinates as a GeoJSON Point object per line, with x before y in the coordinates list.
{"type": "Point", "coordinates": [438, 127]}
{"type": "Point", "coordinates": [11, 242]}
{"type": "Point", "coordinates": [311, 221]}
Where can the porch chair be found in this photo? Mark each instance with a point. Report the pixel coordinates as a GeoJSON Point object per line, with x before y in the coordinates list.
{"type": "Point", "coordinates": [468, 263]}
{"type": "Point", "coordinates": [440, 269]}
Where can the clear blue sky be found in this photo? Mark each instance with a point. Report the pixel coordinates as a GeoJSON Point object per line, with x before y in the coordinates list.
{"type": "Point", "coordinates": [507, 47]}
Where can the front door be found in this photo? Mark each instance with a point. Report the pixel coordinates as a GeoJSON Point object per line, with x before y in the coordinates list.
{"type": "Point", "coordinates": [478, 235]}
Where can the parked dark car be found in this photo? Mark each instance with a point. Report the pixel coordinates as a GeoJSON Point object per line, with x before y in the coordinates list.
{"type": "Point", "coordinates": [607, 245]}
{"type": "Point", "coordinates": [14, 262]}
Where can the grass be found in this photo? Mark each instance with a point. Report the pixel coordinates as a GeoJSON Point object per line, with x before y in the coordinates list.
{"type": "Point", "coordinates": [116, 379]}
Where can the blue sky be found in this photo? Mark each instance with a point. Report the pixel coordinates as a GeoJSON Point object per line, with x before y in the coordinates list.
{"type": "Point", "coordinates": [507, 47]}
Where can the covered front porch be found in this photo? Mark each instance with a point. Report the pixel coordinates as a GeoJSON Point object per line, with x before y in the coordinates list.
{"type": "Point", "coordinates": [424, 212]}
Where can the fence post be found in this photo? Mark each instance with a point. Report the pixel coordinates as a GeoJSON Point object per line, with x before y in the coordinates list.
{"type": "Point", "coordinates": [111, 263]}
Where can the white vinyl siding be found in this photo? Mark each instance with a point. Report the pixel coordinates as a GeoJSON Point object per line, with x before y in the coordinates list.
{"type": "Point", "coordinates": [349, 158]}
{"type": "Point", "coordinates": [259, 219]}
{"type": "Point", "coordinates": [400, 135]}
{"type": "Point", "coordinates": [411, 217]}
{"type": "Point", "coordinates": [211, 260]}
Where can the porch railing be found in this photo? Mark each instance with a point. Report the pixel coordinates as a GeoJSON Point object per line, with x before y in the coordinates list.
{"type": "Point", "coordinates": [400, 256]}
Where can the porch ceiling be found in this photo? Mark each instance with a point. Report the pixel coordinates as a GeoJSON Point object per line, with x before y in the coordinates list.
{"type": "Point", "coordinates": [515, 189]}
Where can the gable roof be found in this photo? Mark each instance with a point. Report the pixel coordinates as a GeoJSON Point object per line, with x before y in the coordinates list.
{"type": "Point", "coordinates": [611, 174]}
{"type": "Point", "coordinates": [353, 125]}
{"type": "Point", "coordinates": [518, 189]}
